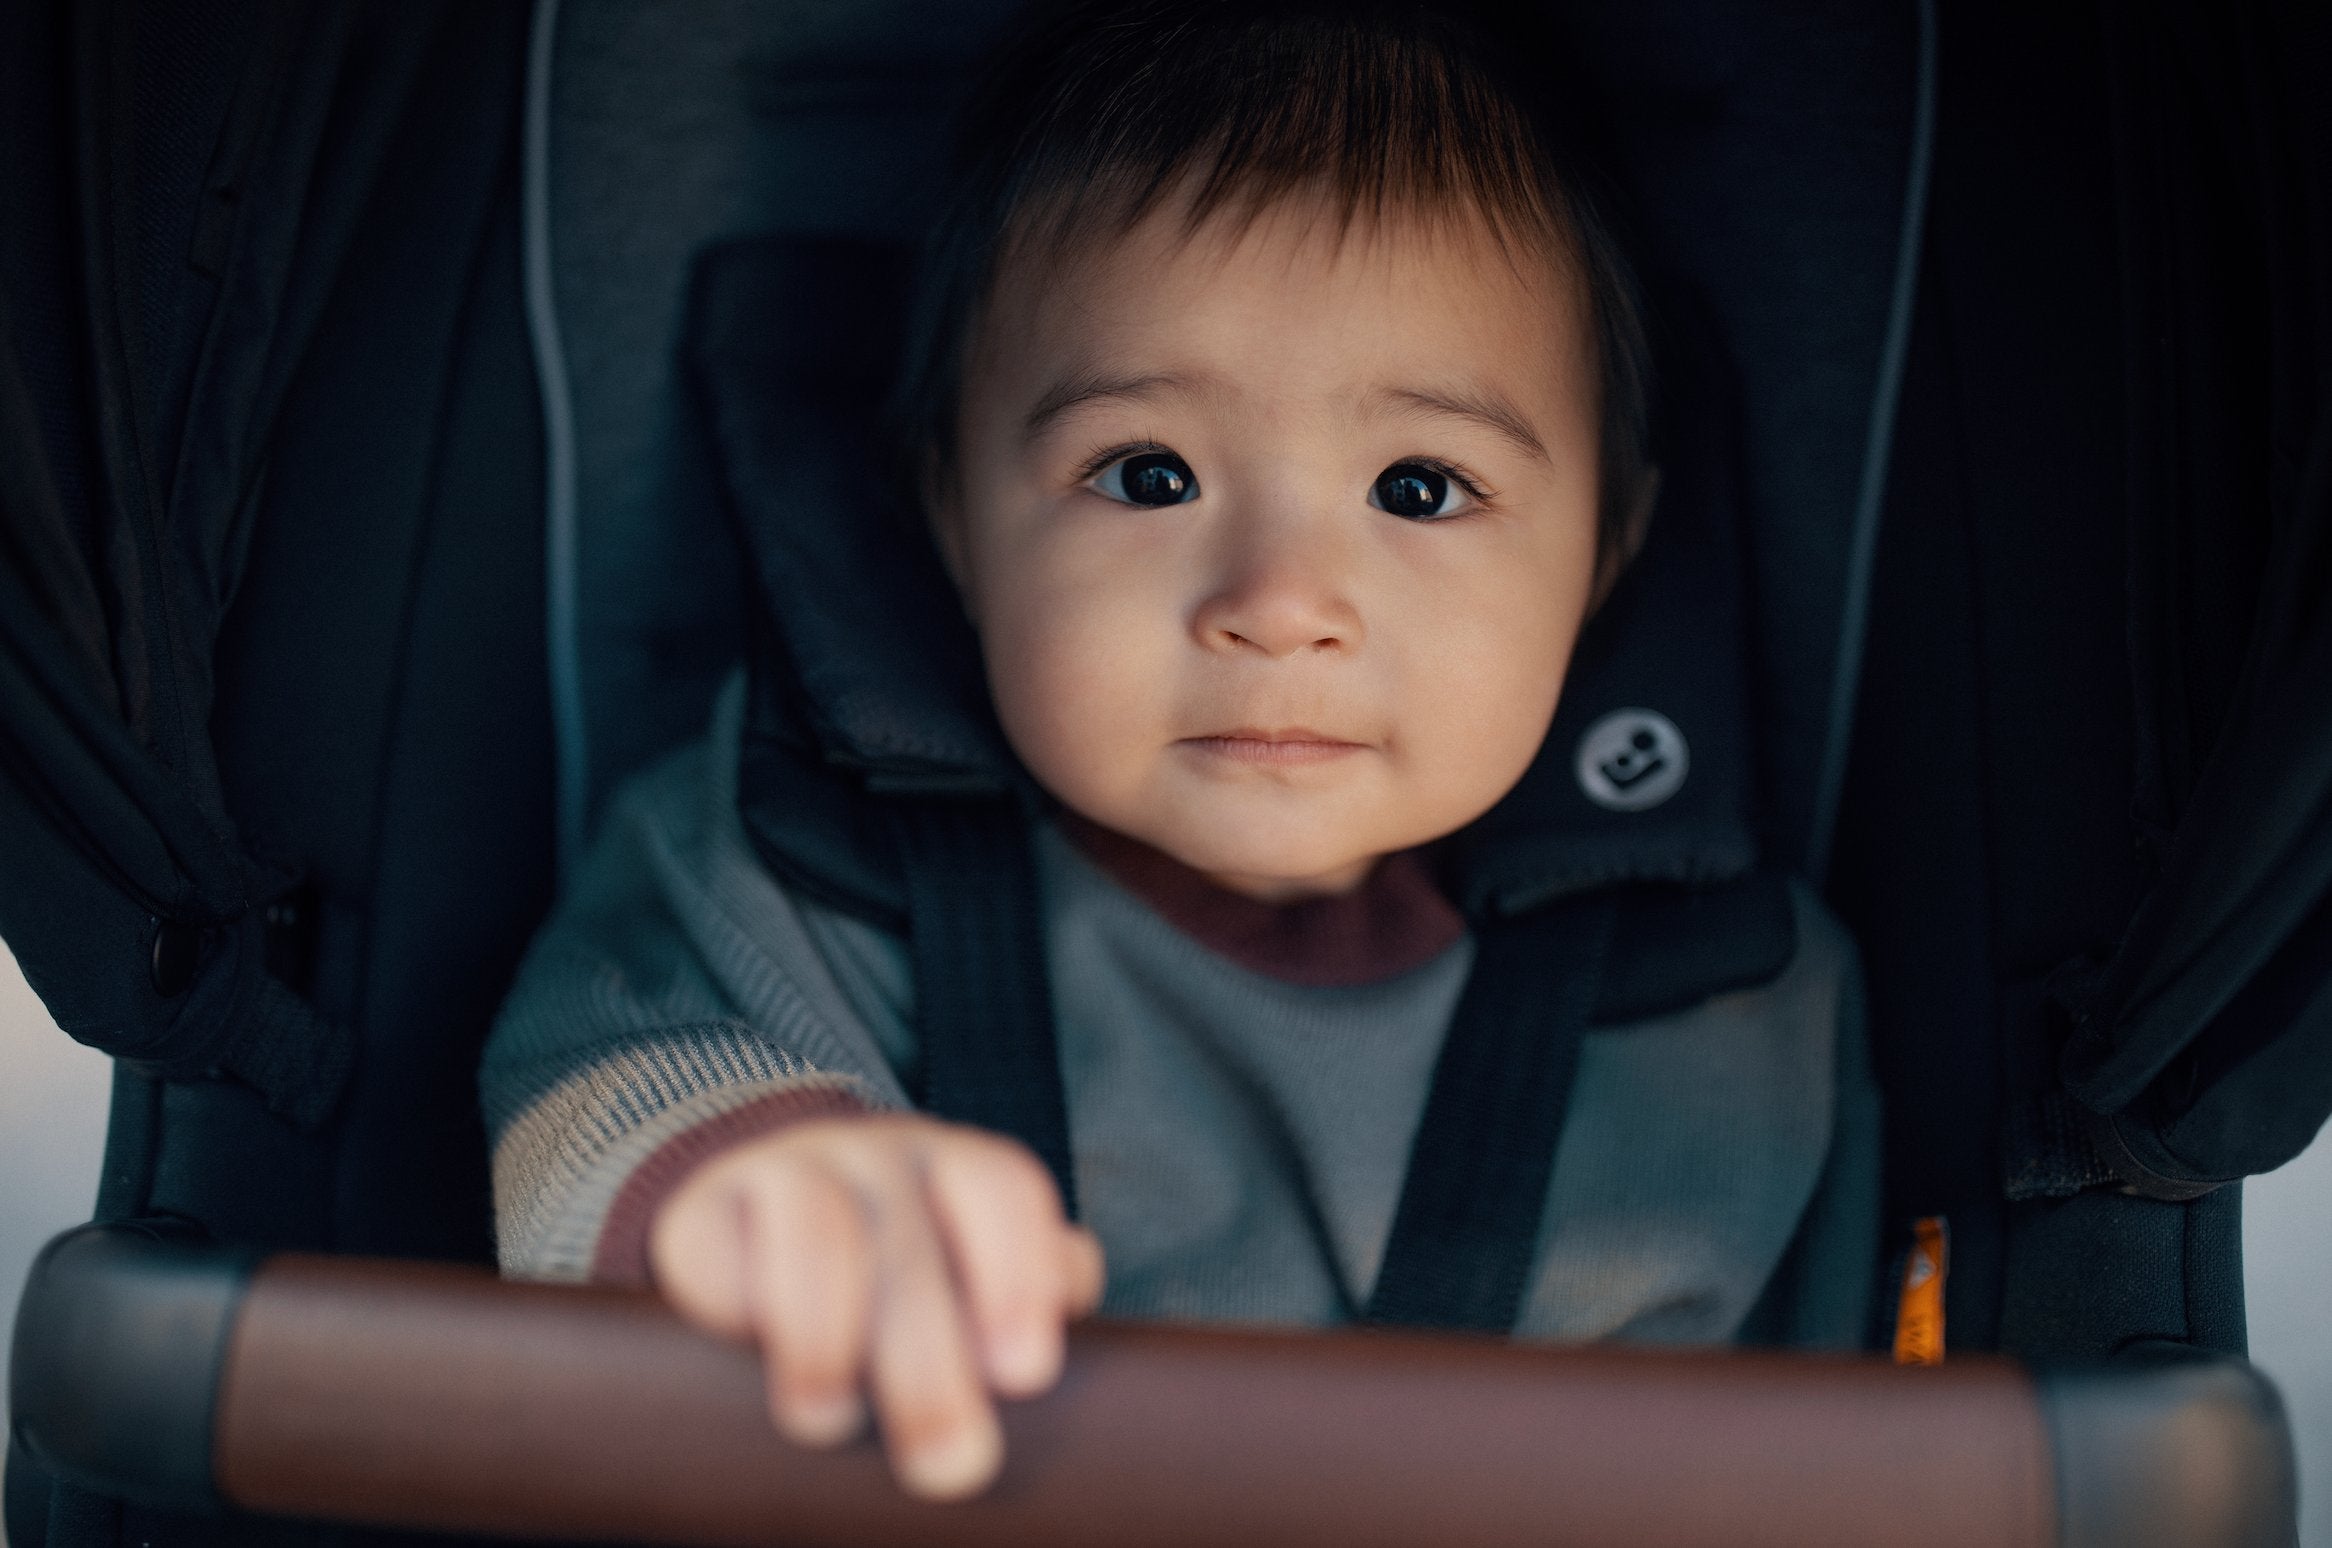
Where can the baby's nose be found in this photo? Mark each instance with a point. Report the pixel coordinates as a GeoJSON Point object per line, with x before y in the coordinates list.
{"type": "Point", "coordinates": [1280, 604]}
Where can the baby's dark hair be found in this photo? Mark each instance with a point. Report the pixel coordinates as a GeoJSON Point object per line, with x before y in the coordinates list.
{"type": "Point", "coordinates": [1094, 113]}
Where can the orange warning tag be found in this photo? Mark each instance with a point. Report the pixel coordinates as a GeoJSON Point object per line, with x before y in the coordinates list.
{"type": "Point", "coordinates": [1919, 1315]}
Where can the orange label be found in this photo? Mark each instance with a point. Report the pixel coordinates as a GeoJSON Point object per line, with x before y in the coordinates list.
{"type": "Point", "coordinates": [1919, 1315]}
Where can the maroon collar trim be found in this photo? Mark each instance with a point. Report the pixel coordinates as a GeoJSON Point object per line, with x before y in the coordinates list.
{"type": "Point", "coordinates": [1393, 923]}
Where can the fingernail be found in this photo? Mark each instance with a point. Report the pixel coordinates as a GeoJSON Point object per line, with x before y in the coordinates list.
{"type": "Point", "coordinates": [1022, 1361]}
{"type": "Point", "coordinates": [959, 1465]}
{"type": "Point", "coordinates": [824, 1421]}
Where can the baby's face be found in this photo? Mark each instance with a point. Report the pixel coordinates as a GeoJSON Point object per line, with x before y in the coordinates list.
{"type": "Point", "coordinates": [1277, 546]}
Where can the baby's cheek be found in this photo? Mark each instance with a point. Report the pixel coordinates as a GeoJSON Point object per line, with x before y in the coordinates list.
{"type": "Point", "coordinates": [1075, 696]}
{"type": "Point", "coordinates": [1477, 727]}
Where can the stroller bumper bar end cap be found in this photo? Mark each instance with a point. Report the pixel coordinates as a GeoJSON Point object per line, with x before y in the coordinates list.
{"type": "Point", "coordinates": [120, 1340]}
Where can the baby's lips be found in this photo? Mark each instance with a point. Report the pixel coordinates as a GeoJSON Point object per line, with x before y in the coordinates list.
{"type": "Point", "coordinates": [1276, 748]}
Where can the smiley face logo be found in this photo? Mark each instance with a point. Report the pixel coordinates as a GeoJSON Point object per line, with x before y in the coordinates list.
{"type": "Point", "coordinates": [1632, 760]}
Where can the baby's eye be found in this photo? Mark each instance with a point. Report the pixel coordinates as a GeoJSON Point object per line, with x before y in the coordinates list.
{"type": "Point", "coordinates": [1418, 492]}
{"type": "Point", "coordinates": [1148, 478]}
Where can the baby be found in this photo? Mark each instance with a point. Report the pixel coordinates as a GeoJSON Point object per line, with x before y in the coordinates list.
{"type": "Point", "coordinates": [1280, 418]}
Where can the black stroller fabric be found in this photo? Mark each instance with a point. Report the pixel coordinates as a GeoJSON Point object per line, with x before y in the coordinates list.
{"type": "Point", "coordinates": [290, 723]}
{"type": "Point", "coordinates": [2205, 1043]}
{"type": "Point", "coordinates": [277, 745]}
{"type": "Point", "coordinates": [2074, 568]}
{"type": "Point", "coordinates": [127, 532]}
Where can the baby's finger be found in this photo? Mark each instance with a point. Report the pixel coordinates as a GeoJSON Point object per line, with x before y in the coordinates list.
{"type": "Point", "coordinates": [1082, 1270]}
{"type": "Point", "coordinates": [810, 1276]}
{"type": "Point", "coordinates": [1001, 1218]}
{"type": "Point", "coordinates": [941, 1431]}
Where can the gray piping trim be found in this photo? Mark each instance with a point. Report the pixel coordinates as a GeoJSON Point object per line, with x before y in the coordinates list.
{"type": "Point", "coordinates": [1854, 618]}
{"type": "Point", "coordinates": [558, 408]}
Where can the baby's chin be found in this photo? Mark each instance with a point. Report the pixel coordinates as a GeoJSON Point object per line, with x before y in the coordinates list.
{"type": "Point", "coordinates": [1261, 839]}
{"type": "Point", "coordinates": [1275, 865]}
{"type": "Point", "coordinates": [1273, 888]}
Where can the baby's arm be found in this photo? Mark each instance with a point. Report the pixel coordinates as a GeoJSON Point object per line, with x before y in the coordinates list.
{"type": "Point", "coordinates": [677, 1096]}
{"type": "Point", "coordinates": [922, 1263]}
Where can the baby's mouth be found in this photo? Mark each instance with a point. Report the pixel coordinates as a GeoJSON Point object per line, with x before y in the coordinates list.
{"type": "Point", "coordinates": [1275, 747]}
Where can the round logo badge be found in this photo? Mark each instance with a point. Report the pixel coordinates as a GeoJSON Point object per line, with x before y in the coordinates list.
{"type": "Point", "coordinates": [1631, 760]}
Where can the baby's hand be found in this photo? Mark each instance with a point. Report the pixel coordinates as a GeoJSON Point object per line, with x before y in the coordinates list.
{"type": "Point", "coordinates": [921, 1262]}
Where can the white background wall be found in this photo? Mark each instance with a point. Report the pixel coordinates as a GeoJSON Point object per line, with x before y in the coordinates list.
{"type": "Point", "coordinates": [2287, 1269]}
{"type": "Point", "coordinates": [52, 1119]}
{"type": "Point", "coordinates": [52, 1134]}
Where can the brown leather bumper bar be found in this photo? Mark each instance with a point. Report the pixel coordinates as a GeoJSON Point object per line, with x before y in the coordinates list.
{"type": "Point", "coordinates": [434, 1397]}
{"type": "Point", "coordinates": [425, 1396]}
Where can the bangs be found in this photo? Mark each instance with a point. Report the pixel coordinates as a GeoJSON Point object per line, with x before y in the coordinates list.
{"type": "Point", "coordinates": [1373, 111]}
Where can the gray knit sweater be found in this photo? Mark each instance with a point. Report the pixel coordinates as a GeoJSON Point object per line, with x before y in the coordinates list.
{"type": "Point", "coordinates": [1239, 1141]}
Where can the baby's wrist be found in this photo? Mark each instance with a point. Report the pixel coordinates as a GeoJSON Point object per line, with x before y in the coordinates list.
{"type": "Point", "coordinates": [621, 1256]}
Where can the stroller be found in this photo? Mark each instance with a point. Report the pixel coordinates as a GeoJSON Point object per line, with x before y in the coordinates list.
{"type": "Point", "coordinates": [381, 387]}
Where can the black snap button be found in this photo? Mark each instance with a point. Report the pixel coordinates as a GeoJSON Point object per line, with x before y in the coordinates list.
{"type": "Point", "coordinates": [177, 953]}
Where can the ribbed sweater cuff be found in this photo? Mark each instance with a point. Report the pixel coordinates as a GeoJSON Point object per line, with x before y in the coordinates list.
{"type": "Point", "coordinates": [621, 1254]}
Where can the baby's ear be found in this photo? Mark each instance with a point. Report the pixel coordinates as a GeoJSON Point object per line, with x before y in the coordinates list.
{"type": "Point", "coordinates": [1612, 564]}
{"type": "Point", "coordinates": [943, 508]}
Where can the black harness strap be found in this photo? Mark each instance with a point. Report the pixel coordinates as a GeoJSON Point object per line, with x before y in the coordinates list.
{"type": "Point", "coordinates": [983, 1000]}
{"type": "Point", "coordinates": [1466, 1232]}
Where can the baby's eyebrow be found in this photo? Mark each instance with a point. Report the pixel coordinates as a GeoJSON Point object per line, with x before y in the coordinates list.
{"type": "Point", "coordinates": [1084, 387]}
{"type": "Point", "coordinates": [1486, 409]}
